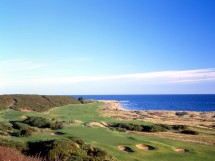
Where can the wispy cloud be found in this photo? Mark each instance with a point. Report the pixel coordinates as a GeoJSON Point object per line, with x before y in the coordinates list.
{"type": "Point", "coordinates": [162, 77]}
{"type": "Point", "coordinates": [149, 82]}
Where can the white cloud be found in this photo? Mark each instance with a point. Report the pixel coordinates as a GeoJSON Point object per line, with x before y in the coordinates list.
{"type": "Point", "coordinates": [157, 82]}
{"type": "Point", "coordinates": [150, 77]}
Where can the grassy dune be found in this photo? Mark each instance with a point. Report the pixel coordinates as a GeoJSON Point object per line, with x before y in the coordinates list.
{"type": "Point", "coordinates": [38, 103]}
{"type": "Point", "coordinates": [108, 140]}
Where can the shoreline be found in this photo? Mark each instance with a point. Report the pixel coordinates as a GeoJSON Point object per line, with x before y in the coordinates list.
{"type": "Point", "coordinates": [114, 109]}
{"type": "Point", "coordinates": [117, 105]}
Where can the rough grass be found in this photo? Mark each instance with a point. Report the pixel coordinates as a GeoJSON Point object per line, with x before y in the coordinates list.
{"type": "Point", "coordinates": [10, 154]}
{"type": "Point", "coordinates": [35, 102]}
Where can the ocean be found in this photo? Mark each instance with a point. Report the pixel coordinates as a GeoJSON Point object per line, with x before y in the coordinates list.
{"type": "Point", "coordinates": [189, 102]}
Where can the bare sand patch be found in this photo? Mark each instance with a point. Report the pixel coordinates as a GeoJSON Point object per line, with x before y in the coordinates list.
{"type": "Point", "coordinates": [180, 150]}
{"type": "Point", "coordinates": [26, 110]}
{"type": "Point", "coordinates": [96, 124]}
{"type": "Point", "coordinates": [57, 133]}
{"type": "Point", "coordinates": [75, 122]}
{"type": "Point", "coordinates": [24, 117]}
{"type": "Point", "coordinates": [125, 148]}
{"type": "Point", "coordinates": [144, 147]}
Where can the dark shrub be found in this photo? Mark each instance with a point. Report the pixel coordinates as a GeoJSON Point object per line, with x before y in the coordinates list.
{"type": "Point", "coordinates": [23, 126]}
{"type": "Point", "coordinates": [190, 132]}
{"type": "Point", "coordinates": [153, 128]}
{"type": "Point", "coordinates": [167, 127]}
{"type": "Point", "coordinates": [136, 127]}
{"type": "Point", "coordinates": [182, 113]}
{"type": "Point", "coordinates": [179, 127]}
{"type": "Point", "coordinates": [118, 129]}
{"type": "Point", "coordinates": [127, 126]}
{"type": "Point", "coordinates": [38, 122]}
{"type": "Point", "coordinates": [57, 125]}
{"type": "Point", "coordinates": [25, 129]}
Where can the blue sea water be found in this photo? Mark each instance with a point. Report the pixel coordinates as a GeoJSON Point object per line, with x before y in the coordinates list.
{"type": "Point", "coordinates": [161, 102]}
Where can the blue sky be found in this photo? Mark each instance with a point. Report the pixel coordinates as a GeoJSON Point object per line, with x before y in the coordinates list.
{"type": "Point", "coordinates": [107, 46]}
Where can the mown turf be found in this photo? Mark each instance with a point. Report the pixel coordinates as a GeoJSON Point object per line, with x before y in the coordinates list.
{"type": "Point", "coordinates": [109, 140]}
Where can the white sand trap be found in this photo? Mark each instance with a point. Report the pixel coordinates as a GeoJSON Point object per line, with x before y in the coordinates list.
{"type": "Point", "coordinates": [181, 150]}
{"type": "Point", "coordinates": [125, 148]}
{"type": "Point", "coordinates": [75, 122]}
{"type": "Point", "coordinates": [144, 147]}
{"type": "Point", "coordinates": [53, 133]}
{"type": "Point", "coordinates": [24, 117]}
{"type": "Point", "coordinates": [95, 124]}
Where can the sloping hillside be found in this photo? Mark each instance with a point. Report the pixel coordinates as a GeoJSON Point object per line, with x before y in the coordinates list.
{"type": "Point", "coordinates": [39, 103]}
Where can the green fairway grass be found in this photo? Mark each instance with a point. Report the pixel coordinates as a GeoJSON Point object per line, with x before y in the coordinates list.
{"type": "Point", "coordinates": [109, 140]}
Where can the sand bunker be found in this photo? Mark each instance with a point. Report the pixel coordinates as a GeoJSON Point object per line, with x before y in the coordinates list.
{"type": "Point", "coordinates": [125, 148]}
{"type": "Point", "coordinates": [57, 133]}
{"type": "Point", "coordinates": [181, 150]}
{"type": "Point", "coordinates": [96, 124]}
{"type": "Point", "coordinates": [75, 122]}
{"type": "Point", "coordinates": [144, 147]}
{"type": "Point", "coordinates": [24, 117]}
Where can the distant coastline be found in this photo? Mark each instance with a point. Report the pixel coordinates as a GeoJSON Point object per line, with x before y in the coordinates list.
{"type": "Point", "coordinates": [113, 108]}
{"type": "Point", "coordinates": [187, 102]}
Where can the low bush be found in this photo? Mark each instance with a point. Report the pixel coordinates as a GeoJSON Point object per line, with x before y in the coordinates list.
{"type": "Point", "coordinates": [153, 128]}
{"type": "Point", "coordinates": [5, 127]}
{"type": "Point", "coordinates": [68, 149]}
{"type": "Point", "coordinates": [167, 127]}
{"type": "Point", "coordinates": [141, 128]}
{"type": "Point", "coordinates": [2, 108]}
{"type": "Point", "coordinates": [118, 129]}
{"type": "Point", "coordinates": [57, 125]}
{"type": "Point", "coordinates": [24, 129]}
{"type": "Point", "coordinates": [179, 127]}
{"type": "Point", "coordinates": [39, 122]}
{"type": "Point", "coordinates": [127, 126]}
{"type": "Point", "coordinates": [13, 144]}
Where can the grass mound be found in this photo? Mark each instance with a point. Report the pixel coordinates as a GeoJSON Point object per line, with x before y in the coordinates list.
{"type": "Point", "coordinates": [5, 127]}
{"type": "Point", "coordinates": [37, 103]}
{"type": "Point", "coordinates": [24, 129]}
{"type": "Point", "coordinates": [39, 122]}
{"type": "Point", "coordinates": [68, 149]}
